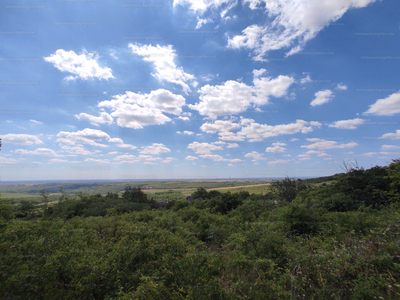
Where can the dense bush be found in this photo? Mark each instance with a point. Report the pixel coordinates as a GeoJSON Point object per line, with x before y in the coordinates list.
{"type": "Point", "coordinates": [325, 244]}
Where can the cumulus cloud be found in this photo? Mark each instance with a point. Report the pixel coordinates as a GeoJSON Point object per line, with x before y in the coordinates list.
{"type": "Point", "coordinates": [99, 161]}
{"type": "Point", "coordinates": [84, 65]}
{"type": "Point", "coordinates": [234, 97]}
{"type": "Point", "coordinates": [322, 97]}
{"type": "Point", "coordinates": [347, 124]}
{"type": "Point", "coordinates": [341, 87]}
{"type": "Point", "coordinates": [279, 161]}
{"type": "Point", "coordinates": [154, 149]}
{"type": "Point", "coordinates": [38, 151]}
{"type": "Point", "coordinates": [386, 107]}
{"type": "Point", "coordinates": [168, 160]}
{"type": "Point", "coordinates": [133, 110]}
{"type": "Point", "coordinates": [200, 6]}
{"type": "Point", "coordinates": [236, 160]}
{"type": "Point", "coordinates": [203, 148]}
{"type": "Point", "coordinates": [276, 148]}
{"type": "Point", "coordinates": [191, 157]}
{"type": "Point", "coordinates": [4, 160]}
{"type": "Point", "coordinates": [232, 145]}
{"type": "Point", "coordinates": [293, 23]}
{"type": "Point", "coordinates": [391, 136]}
{"type": "Point", "coordinates": [21, 139]}
{"type": "Point", "coordinates": [165, 68]}
{"type": "Point", "coordinates": [255, 156]}
{"type": "Point", "coordinates": [86, 136]}
{"type": "Point", "coordinates": [104, 118]}
{"type": "Point", "coordinates": [322, 144]}
{"type": "Point", "coordinates": [214, 157]}
{"type": "Point", "coordinates": [75, 150]}
{"type": "Point", "coordinates": [219, 126]}
{"type": "Point", "coordinates": [306, 79]}
{"type": "Point", "coordinates": [389, 147]}
{"type": "Point", "coordinates": [256, 132]}
{"type": "Point", "coordinates": [127, 158]}
{"type": "Point", "coordinates": [201, 22]}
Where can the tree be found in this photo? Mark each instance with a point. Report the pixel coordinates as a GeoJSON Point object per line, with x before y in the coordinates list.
{"type": "Point", "coordinates": [45, 195]}
{"type": "Point", "coordinates": [288, 188]}
{"type": "Point", "coordinates": [201, 193]}
{"type": "Point", "coordinates": [134, 195]}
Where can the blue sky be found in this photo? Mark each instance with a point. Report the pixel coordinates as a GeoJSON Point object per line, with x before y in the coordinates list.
{"type": "Point", "coordinates": [197, 88]}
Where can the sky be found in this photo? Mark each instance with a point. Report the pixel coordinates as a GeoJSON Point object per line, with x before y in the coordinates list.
{"type": "Point", "coordinates": [197, 89]}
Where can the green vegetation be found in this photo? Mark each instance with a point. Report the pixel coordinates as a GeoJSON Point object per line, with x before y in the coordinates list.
{"type": "Point", "coordinates": [297, 241]}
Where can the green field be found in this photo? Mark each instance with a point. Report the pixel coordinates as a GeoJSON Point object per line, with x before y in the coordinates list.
{"type": "Point", "coordinates": [159, 190]}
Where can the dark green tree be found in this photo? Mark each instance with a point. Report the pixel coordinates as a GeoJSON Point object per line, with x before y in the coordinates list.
{"type": "Point", "coordinates": [288, 188]}
{"type": "Point", "coordinates": [134, 195]}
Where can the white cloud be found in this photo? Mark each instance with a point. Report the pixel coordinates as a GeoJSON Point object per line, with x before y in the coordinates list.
{"type": "Point", "coordinates": [315, 123]}
{"type": "Point", "coordinates": [214, 157]}
{"type": "Point", "coordinates": [369, 154]}
{"type": "Point", "coordinates": [279, 161]}
{"type": "Point", "coordinates": [154, 149]}
{"type": "Point", "coordinates": [84, 66]}
{"type": "Point", "coordinates": [188, 132]}
{"type": "Point", "coordinates": [236, 160]}
{"type": "Point", "coordinates": [322, 97]}
{"type": "Point", "coordinates": [163, 59]}
{"type": "Point", "coordinates": [306, 79]}
{"type": "Point", "coordinates": [116, 140]}
{"type": "Point", "coordinates": [347, 124]}
{"type": "Point", "coordinates": [256, 132]}
{"type": "Point", "coordinates": [99, 161]}
{"type": "Point", "coordinates": [208, 77]}
{"type": "Point", "coordinates": [219, 126]}
{"type": "Point", "coordinates": [203, 148]}
{"type": "Point", "coordinates": [200, 6]}
{"type": "Point", "coordinates": [21, 139]}
{"type": "Point", "coordinates": [232, 145]}
{"type": "Point", "coordinates": [149, 163]}
{"type": "Point", "coordinates": [304, 156]}
{"type": "Point", "coordinates": [4, 160]}
{"type": "Point", "coordinates": [191, 157]}
{"type": "Point", "coordinates": [104, 118]}
{"type": "Point", "coordinates": [201, 22]}
{"type": "Point", "coordinates": [386, 107]}
{"type": "Point", "coordinates": [341, 87]}
{"type": "Point", "coordinates": [36, 122]}
{"type": "Point", "coordinates": [86, 136]}
{"type": "Point", "coordinates": [294, 24]}
{"type": "Point", "coordinates": [234, 97]}
{"type": "Point", "coordinates": [389, 147]}
{"type": "Point", "coordinates": [323, 144]}
{"type": "Point", "coordinates": [255, 156]}
{"type": "Point", "coordinates": [277, 148]}
{"type": "Point", "coordinates": [38, 151]}
{"type": "Point", "coordinates": [183, 118]}
{"type": "Point", "coordinates": [168, 160]}
{"type": "Point", "coordinates": [149, 157]}
{"type": "Point", "coordinates": [75, 150]}
{"type": "Point", "coordinates": [258, 73]}
{"type": "Point", "coordinates": [127, 157]}
{"type": "Point", "coordinates": [230, 98]}
{"type": "Point", "coordinates": [57, 160]}
{"type": "Point", "coordinates": [391, 136]}
{"type": "Point", "coordinates": [137, 110]}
